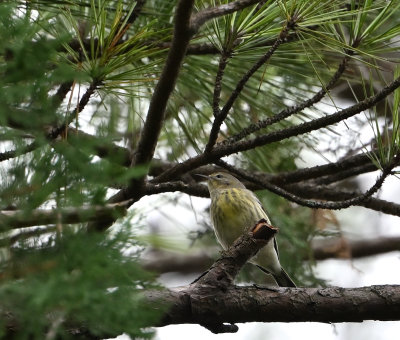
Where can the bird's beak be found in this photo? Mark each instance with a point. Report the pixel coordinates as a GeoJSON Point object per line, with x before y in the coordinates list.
{"type": "Point", "coordinates": [204, 176]}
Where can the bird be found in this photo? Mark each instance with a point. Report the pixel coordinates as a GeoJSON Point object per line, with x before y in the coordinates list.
{"type": "Point", "coordinates": [234, 209]}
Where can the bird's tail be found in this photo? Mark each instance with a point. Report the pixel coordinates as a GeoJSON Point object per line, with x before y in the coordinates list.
{"type": "Point", "coordinates": [282, 279]}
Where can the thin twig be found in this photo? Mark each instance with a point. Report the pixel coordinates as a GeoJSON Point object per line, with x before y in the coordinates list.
{"type": "Point", "coordinates": [294, 109]}
{"type": "Point", "coordinates": [223, 61]}
{"type": "Point", "coordinates": [81, 105]}
{"type": "Point", "coordinates": [224, 150]}
{"type": "Point", "coordinates": [214, 12]}
{"type": "Point", "coordinates": [328, 193]}
{"type": "Point", "coordinates": [15, 153]}
{"type": "Point", "coordinates": [311, 203]}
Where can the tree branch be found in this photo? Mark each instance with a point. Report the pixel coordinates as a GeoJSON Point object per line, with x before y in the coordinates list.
{"type": "Point", "coordinates": [221, 116]}
{"type": "Point", "coordinates": [156, 113]}
{"type": "Point", "coordinates": [315, 204]}
{"type": "Point", "coordinates": [352, 249]}
{"type": "Point", "coordinates": [4, 156]}
{"type": "Point", "coordinates": [214, 12]}
{"type": "Point", "coordinates": [13, 219]}
{"type": "Point", "coordinates": [327, 193]}
{"type": "Point", "coordinates": [320, 174]}
{"type": "Point", "coordinates": [313, 125]}
{"type": "Point", "coordinates": [276, 136]}
{"type": "Point", "coordinates": [294, 109]}
{"type": "Point", "coordinates": [55, 132]}
{"type": "Point", "coordinates": [250, 304]}
{"type": "Point", "coordinates": [229, 304]}
{"type": "Point", "coordinates": [161, 261]}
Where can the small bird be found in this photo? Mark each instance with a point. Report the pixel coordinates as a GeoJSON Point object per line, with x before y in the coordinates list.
{"type": "Point", "coordinates": [234, 209]}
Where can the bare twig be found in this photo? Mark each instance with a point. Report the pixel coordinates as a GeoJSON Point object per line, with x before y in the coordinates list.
{"type": "Point", "coordinates": [214, 12]}
{"type": "Point", "coordinates": [327, 193]}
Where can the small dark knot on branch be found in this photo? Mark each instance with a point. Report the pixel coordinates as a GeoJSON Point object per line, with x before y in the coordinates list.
{"type": "Point", "coordinates": [263, 231]}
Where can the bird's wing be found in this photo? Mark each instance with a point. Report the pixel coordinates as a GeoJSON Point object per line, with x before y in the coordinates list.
{"type": "Point", "coordinates": [276, 247]}
{"type": "Point", "coordinates": [262, 207]}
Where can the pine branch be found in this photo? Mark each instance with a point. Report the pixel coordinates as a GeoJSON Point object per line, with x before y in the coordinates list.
{"type": "Point", "coordinates": [322, 171]}
{"type": "Point", "coordinates": [4, 156]}
{"type": "Point", "coordinates": [301, 190]}
{"type": "Point", "coordinates": [223, 61]}
{"type": "Point", "coordinates": [156, 113]}
{"type": "Point", "coordinates": [276, 136]}
{"type": "Point", "coordinates": [56, 131]}
{"type": "Point", "coordinates": [327, 193]}
{"type": "Point", "coordinates": [101, 147]}
{"type": "Point", "coordinates": [320, 174]}
{"type": "Point", "coordinates": [221, 116]}
{"type": "Point", "coordinates": [212, 300]}
{"type": "Point", "coordinates": [61, 93]}
{"type": "Point", "coordinates": [345, 174]}
{"type": "Point", "coordinates": [158, 103]}
{"type": "Point", "coordinates": [136, 12]}
{"type": "Point", "coordinates": [294, 109]}
{"type": "Point", "coordinates": [317, 204]}
{"type": "Point", "coordinates": [310, 126]}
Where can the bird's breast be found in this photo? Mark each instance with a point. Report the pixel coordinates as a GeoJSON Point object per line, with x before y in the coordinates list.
{"type": "Point", "coordinates": [233, 211]}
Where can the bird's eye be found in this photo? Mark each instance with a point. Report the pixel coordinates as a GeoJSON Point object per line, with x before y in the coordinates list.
{"type": "Point", "coordinates": [219, 176]}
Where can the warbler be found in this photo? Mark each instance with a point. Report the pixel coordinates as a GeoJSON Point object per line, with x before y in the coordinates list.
{"type": "Point", "coordinates": [233, 210]}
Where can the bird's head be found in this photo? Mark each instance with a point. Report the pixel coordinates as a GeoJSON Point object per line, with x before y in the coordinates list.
{"type": "Point", "coordinates": [222, 180]}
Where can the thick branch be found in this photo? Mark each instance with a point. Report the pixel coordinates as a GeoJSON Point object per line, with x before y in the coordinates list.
{"type": "Point", "coordinates": [345, 249]}
{"type": "Point", "coordinates": [156, 114]}
{"type": "Point", "coordinates": [250, 304]}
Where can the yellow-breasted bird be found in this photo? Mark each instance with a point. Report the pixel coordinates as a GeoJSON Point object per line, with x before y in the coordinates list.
{"type": "Point", "coordinates": [234, 209]}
